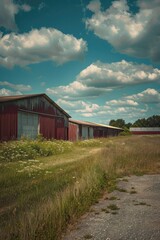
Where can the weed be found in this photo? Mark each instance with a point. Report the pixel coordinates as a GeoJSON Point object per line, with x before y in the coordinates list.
{"type": "Point", "coordinates": [46, 185]}
{"type": "Point", "coordinates": [114, 213]}
{"type": "Point", "coordinates": [103, 209]}
{"type": "Point", "coordinates": [106, 211]}
{"type": "Point", "coordinates": [96, 213]}
{"type": "Point", "coordinates": [31, 149]}
{"type": "Point", "coordinates": [124, 180]}
{"type": "Point", "coordinates": [133, 192]}
{"type": "Point", "coordinates": [112, 198]}
{"type": "Point", "coordinates": [113, 207]}
{"type": "Point", "coordinates": [142, 204]}
{"type": "Point", "coordinates": [88, 236]}
{"type": "Point", "coordinates": [121, 189]}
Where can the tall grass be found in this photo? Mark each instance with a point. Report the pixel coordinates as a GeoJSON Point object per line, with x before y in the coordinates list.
{"type": "Point", "coordinates": [44, 204]}
{"type": "Point", "coordinates": [31, 149]}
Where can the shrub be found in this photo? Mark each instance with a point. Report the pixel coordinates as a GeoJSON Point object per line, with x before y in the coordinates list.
{"type": "Point", "coordinates": [27, 149]}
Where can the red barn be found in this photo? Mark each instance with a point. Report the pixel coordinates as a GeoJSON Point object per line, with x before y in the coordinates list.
{"type": "Point", "coordinates": [81, 130]}
{"type": "Point", "coordinates": [30, 115]}
{"type": "Point", "coordinates": [145, 130]}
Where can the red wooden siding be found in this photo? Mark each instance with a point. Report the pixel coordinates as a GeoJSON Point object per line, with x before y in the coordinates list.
{"type": "Point", "coordinates": [60, 129]}
{"type": "Point", "coordinates": [145, 132]}
{"type": "Point", "coordinates": [8, 123]}
{"type": "Point", "coordinates": [51, 120]}
{"type": "Point", "coordinates": [73, 132]}
{"type": "Point", "coordinates": [47, 127]}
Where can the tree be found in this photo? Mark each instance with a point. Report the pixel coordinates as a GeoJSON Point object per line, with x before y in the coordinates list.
{"type": "Point", "coordinates": [128, 125]}
{"type": "Point", "coordinates": [117, 123]}
{"type": "Point", "coordinates": [140, 123]}
{"type": "Point", "coordinates": [153, 121]}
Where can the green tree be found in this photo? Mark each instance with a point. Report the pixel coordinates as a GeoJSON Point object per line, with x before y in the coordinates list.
{"type": "Point", "coordinates": [154, 121]}
{"type": "Point", "coordinates": [140, 123]}
{"type": "Point", "coordinates": [117, 123]}
{"type": "Point", "coordinates": [128, 125]}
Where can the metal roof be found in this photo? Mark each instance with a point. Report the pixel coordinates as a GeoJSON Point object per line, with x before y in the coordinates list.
{"type": "Point", "coordinates": [82, 122]}
{"type": "Point", "coordinates": [92, 124]}
{"type": "Point", "coordinates": [19, 97]}
{"type": "Point", "coordinates": [108, 126]}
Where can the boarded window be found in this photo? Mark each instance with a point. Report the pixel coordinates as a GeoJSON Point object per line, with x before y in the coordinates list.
{"type": "Point", "coordinates": [27, 125]}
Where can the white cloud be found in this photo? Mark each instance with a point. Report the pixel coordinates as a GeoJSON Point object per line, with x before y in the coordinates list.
{"type": "Point", "coordinates": [124, 102]}
{"type": "Point", "coordinates": [76, 90]}
{"type": "Point", "coordinates": [99, 78]}
{"type": "Point", "coordinates": [102, 113]}
{"type": "Point", "coordinates": [38, 46]}
{"type": "Point", "coordinates": [129, 108]}
{"type": "Point", "coordinates": [78, 106]}
{"type": "Point", "coordinates": [132, 34]}
{"type": "Point", "coordinates": [8, 10]}
{"type": "Point", "coordinates": [18, 87]}
{"type": "Point", "coordinates": [94, 5]}
{"type": "Point", "coordinates": [25, 7]}
{"type": "Point", "coordinates": [149, 95]}
{"type": "Point", "coordinates": [117, 74]}
{"type": "Point", "coordinates": [6, 92]}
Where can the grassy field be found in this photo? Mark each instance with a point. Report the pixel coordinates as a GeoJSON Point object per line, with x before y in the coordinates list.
{"type": "Point", "coordinates": [47, 185]}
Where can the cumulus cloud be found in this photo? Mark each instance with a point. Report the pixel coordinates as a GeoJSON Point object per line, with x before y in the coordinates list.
{"type": "Point", "coordinates": [113, 109]}
{"type": "Point", "coordinates": [149, 95]}
{"type": "Point", "coordinates": [132, 34]}
{"type": "Point", "coordinates": [8, 10]}
{"type": "Point", "coordinates": [18, 87]}
{"type": "Point", "coordinates": [129, 108]}
{"type": "Point", "coordinates": [94, 5]}
{"type": "Point", "coordinates": [99, 78]}
{"type": "Point", "coordinates": [76, 90]}
{"type": "Point", "coordinates": [79, 107]}
{"type": "Point", "coordinates": [124, 102]}
{"type": "Point", "coordinates": [38, 46]}
{"type": "Point", "coordinates": [7, 92]}
{"type": "Point", "coordinates": [117, 74]}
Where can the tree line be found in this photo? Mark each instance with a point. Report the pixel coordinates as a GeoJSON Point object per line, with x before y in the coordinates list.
{"type": "Point", "coordinates": [153, 121]}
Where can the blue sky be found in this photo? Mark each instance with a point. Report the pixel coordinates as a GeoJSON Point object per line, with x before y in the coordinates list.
{"type": "Point", "coordinates": [99, 60]}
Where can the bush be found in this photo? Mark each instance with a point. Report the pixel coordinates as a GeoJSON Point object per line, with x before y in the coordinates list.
{"type": "Point", "coordinates": [27, 149]}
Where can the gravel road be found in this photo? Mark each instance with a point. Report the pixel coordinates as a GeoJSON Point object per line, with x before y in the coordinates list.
{"type": "Point", "coordinates": [138, 216]}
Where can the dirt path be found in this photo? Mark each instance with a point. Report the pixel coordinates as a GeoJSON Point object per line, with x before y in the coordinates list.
{"type": "Point", "coordinates": [72, 157]}
{"type": "Point", "coordinates": [138, 216]}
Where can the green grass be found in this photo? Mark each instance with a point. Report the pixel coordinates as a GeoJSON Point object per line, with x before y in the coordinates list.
{"type": "Point", "coordinates": [47, 185]}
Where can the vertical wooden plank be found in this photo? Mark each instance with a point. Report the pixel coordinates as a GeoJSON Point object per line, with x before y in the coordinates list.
{"type": "Point", "coordinates": [47, 127]}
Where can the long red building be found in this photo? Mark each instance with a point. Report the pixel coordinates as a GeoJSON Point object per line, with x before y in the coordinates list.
{"type": "Point", "coordinates": [145, 130]}
{"type": "Point", "coordinates": [82, 130]}
{"type": "Point", "coordinates": [30, 115]}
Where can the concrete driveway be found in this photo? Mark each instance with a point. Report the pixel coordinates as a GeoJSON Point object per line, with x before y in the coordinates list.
{"type": "Point", "coordinates": [130, 213]}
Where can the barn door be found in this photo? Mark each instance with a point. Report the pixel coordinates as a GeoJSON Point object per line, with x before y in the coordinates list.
{"type": "Point", "coordinates": [27, 125]}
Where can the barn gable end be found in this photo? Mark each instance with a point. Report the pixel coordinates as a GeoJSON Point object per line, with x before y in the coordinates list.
{"type": "Point", "coordinates": [30, 115]}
